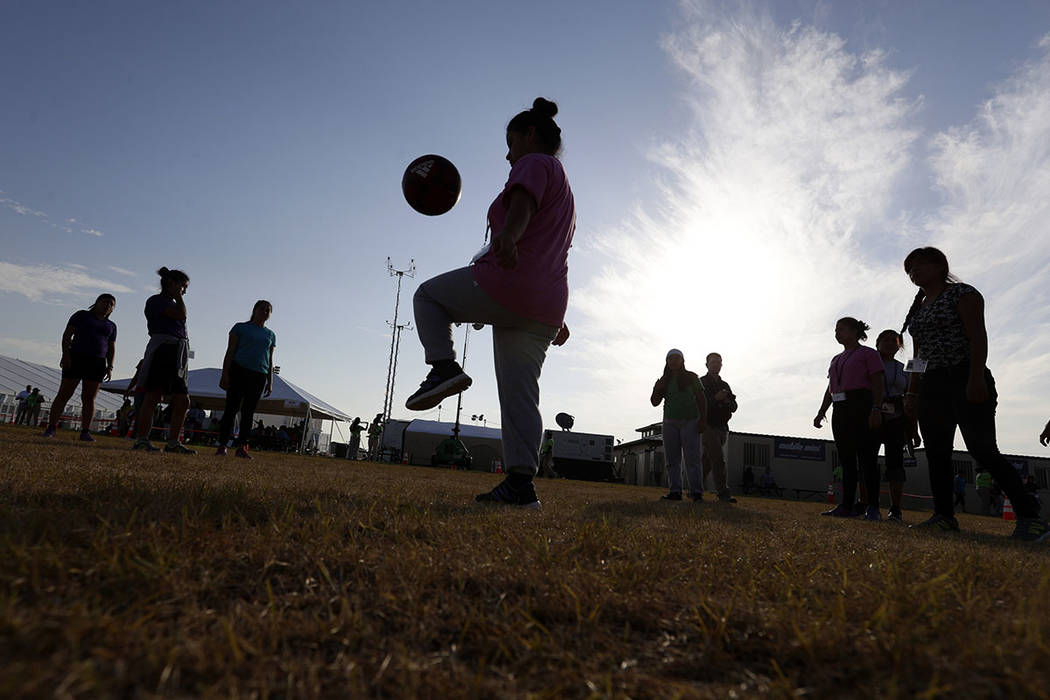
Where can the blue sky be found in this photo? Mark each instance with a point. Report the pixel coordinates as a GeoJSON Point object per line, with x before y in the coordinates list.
{"type": "Point", "coordinates": [745, 173]}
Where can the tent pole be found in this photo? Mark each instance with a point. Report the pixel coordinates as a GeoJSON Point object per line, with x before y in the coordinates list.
{"type": "Point", "coordinates": [306, 431]}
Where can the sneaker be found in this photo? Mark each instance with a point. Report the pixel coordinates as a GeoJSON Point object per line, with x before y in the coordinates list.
{"type": "Point", "coordinates": [896, 516]}
{"type": "Point", "coordinates": [178, 448]}
{"type": "Point", "coordinates": [860, 509]}
{"type": "Point", "coordinates": [842, 511]}
{"type": "Point", "coordinates": [443, 381]}
{"type": "Point", "coordinates": [509, 495]}
{"type": "Point", "coordinates": [49, 432]}
{"type": "Point", "coordinates": [938, 522]}
{"type": "Point", "coordinates": [145, 446]}
{"type": "Point", "coordinates": [242, 452]}
{"type": "Point", "coordinates": [1031, 530]}
{"type": "Point", "coordinates": [696, 496]}
{"type": "Point", "coordinates": [85, 436]}
{"type": "Point", "coordinates": [726, 498]}
{"type": "Point", "coordinates": [873, 514]}
{"type": "Point", "coordinates": [221, 451]}
{"type": "Point", "coordinates": [672, 496]}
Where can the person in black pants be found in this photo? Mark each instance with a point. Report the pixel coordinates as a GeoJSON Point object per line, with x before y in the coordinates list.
{"type": "Point", "coordinates": [951, 386]}
{"type": "Point", "coordinates": [898, 430]}
{"type": "Point", "coordinates": [855, 387]}
{"type": "Point", "coordinates": [247, 375]}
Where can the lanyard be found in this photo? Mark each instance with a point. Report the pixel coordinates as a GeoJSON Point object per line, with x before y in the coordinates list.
{"type": "Point", "coordinates": [840, 367]}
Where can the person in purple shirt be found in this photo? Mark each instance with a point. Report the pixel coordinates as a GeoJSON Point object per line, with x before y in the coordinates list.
{"type": "Point", "coordinates": [520, 287]}
{"type": "Point", "coordinates": [88, 346]}
{"type": "Point", "coordinates": [165, 363]}
{"type": "Point", "coordinates": [855, 387]}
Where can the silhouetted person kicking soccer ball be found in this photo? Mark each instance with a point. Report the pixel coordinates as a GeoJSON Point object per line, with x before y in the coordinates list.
{"type": "Point", "coordinates": [519, 287]}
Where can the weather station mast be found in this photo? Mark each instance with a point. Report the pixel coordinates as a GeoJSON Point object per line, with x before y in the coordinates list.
{"type": "Point", "coordinates": [395, 343]}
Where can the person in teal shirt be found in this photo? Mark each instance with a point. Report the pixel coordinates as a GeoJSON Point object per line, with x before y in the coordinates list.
{"type": "Point", "coordinates": [685, 419]}
{"type": "Point", "coordinates": [247, 375]}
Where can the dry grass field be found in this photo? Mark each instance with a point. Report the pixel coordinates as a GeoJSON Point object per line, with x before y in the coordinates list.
{"type": "Point", "coordinates": [132, 575]}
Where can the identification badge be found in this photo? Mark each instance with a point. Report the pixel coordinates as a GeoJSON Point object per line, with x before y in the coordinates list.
{"type": "Point", "coordinates": [916, 365]}
{"type": "Point", "coordinates": [838, 396]}
{"type": "Point", "coordinates": [888, 408]}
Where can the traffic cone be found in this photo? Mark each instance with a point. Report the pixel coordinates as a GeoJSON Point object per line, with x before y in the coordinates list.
{"type": "Point", "coordinates": [831, 493]}
{"type": "Point", "coordinates": [1008, 510]}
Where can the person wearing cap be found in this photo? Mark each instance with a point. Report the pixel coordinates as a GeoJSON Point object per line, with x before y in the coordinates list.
{"type": "Point", "coordinates": [685, 419]}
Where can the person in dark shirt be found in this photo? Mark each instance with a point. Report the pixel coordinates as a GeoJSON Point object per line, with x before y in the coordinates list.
{"type": "Point", "coordinates": [951, 387]}
{"type": "Point", "coordinates": [721, 404]}
{"type": "Point", "coordinates": [88, 346]}
{"type": "Point", "coordinates": [165, 363]}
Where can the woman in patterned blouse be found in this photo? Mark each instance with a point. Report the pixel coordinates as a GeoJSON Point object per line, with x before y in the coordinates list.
{"type": "Point", "coordinates": [951, 386]}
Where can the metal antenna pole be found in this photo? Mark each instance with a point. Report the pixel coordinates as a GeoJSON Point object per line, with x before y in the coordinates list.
{"type": "Point", "coordinates": [391, 366]}
{"type": "Point", "coordinates": [397, 352]}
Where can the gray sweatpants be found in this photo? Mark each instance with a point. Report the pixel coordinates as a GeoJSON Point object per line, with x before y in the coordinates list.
{"type": "Point", "coordinates": [681, 436]}
{"type": "Point", "coordinates": [519, 347]}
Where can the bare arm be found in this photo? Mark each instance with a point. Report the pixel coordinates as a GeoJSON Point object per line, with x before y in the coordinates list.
{"type": "Point", "coordinates": [659, 389]}
{"type": "Point", "coordinates": [177, 312]}
{"type": "Point", "coordinates": [269, 379]}
{"type": "Point", "coordinates": [67, 344]}
{"type": "Point", "coordinates": [111, 352]}
{"type": "Point", "coordinates": [822, 413]}
{"type": "Point", "coordinates": [971, 311]}
{"type": "Point", "coordinates": [227, 361]}
{"type": "Point", "coordinates": [520, 211]}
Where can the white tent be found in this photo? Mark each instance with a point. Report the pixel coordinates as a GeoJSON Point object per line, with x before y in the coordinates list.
{"type": "Point", "coordinates": [15, 374]}
{"type": "Point", "coordinates": [286, 400]}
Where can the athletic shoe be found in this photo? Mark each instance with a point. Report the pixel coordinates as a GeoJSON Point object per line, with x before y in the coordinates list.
{"type": "Point", "coordinates": [1031, 530]}
{"type": "Point", "coordinates": [178, 448]}
{"type": "Point", "coordinates": [873, 514]}
{"type": "Point", "coordinates": [85, 436]}
{"type": "Point", "coordinates": [523, 495]}
{"type": "Point", "coordinates": [895, 515]}
{"type": "Point", "coordinates": [242, 452]}
{"type": "Point", "coordinates": [145, 446]}
{"type": "Point", "coordinates": [697, 496]}
{"type": "Point", "coordinates": [49, 432]}
{"type": "Point", "coordinates": [444, 380]}
{"type": "Point", "coordinates": [221, 451]}
{"type": "Point", "coordinates": [726, 499]}
{"type": "Point", "coordinates": [860, 509]}
{"type": "Point", "coordinates": [841, 511]}
{"type": "Point", "coordinates": [938, 522]}
{"type": "Point", "coordinates": [672, 496]}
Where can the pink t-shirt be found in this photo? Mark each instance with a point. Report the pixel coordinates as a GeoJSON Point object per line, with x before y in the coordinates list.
{"type": "Point", "coordinates": [538, 288]}
{"type": "Point", "coordinates": [853, 369]}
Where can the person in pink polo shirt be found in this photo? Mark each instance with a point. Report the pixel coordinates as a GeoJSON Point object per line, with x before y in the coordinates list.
{"type": "Point", "coordinates": [855, 387]}
{"type": "Point", "coordinates": [520, 287]}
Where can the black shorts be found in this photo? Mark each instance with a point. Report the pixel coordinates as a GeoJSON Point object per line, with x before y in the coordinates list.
{"type": "Point", "coordinates": [85, 367]}
{"type": "Point", "coordinates": [164, 372]}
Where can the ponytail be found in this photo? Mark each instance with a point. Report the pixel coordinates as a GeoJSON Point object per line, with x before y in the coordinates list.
{"type": "Point", "coordinates": [919, 295]}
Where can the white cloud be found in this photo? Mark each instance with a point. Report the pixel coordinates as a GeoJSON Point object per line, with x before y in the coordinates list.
{"type": "Point", "coordinates": [92, 232]}
{"type": "Point", "coordinates": [20, 208]}
{"type": "Point", "coordinates": [122, 271]}
{"type": "Point", "coordinates": [764, 234]}
{"type": "Point", "coordinates": [994, 174]}
{"type": "Point", "coordinates": [31, 350]}
{"type": "Point", "coordinates": [48, 282]}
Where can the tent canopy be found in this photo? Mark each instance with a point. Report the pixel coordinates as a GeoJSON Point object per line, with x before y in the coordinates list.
{"type": "Point", "coordinates": [286, 400]}
{"type": "Point", "coordinates": [15, 374]}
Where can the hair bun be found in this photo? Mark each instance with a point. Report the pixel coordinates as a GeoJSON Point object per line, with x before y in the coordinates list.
{"type": "Point", "coordinates": [163, 271]}
{"type": "Point", "coordinates": [544, 107]}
